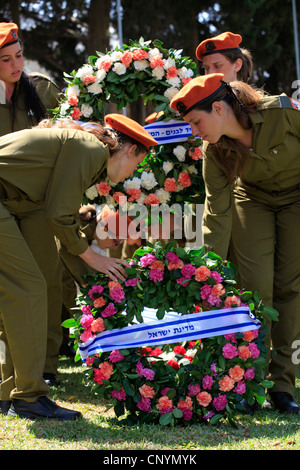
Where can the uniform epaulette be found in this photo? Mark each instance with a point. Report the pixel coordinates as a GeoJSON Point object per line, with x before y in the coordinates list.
{"type": "Point", "coordinates": [286, 102]}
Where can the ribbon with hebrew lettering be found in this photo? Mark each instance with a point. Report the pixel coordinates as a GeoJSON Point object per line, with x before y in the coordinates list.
{"type": "Point", "coordinates": [174, 328]}
{"type": "Point", "coordinates": [169, 131]}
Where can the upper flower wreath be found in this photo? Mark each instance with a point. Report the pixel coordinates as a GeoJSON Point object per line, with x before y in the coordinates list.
{"type": "Point", "coordinates": [122, 75]}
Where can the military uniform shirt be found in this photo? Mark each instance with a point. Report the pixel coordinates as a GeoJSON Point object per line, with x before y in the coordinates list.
{"type": "Point", "coordinates": [274, 165]}
{"type": "Point", "coordinates": [52, 168]}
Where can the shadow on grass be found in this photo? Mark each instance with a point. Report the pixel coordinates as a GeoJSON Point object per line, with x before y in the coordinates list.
{"type": "Point", "coordinates": [103, 430]}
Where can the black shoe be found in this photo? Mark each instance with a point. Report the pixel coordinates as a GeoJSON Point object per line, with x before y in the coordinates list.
{"type": "Point", "coordinates": [4, 406]}
{"type": "Point", "coordinates": [42, 408]}
{"type": "Point", "coordinates": [284, 403]}
{"type": "Point", "coordinates": [51, 380]}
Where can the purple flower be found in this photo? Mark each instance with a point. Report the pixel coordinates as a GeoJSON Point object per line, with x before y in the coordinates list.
{"type": "Point", "coordinates": [205, 291]}
{"type": "Point", "coordinates": [240, 387]}
{"type": "Point", "coordinates": [117, 295]}
{"type": "Point", "coordinates": [188, 271]}
{"type": "Point", "coordinates": [144, 404]}
{"type": "Point", "coordinates": [216, 276]}
{"type": "Point", "coordinates": [229, 351]}
{"type": "Point", "coordinates": [193, 390]}
{"type": "Point", "coordinates": [156, 275]}
{"type": "Point", "coordinates": [172, 257]}
{"type": "Point", "coordinates": [118, 394]}
{"type": "Point", "coordinates": [148, 374]}
{"type": "Point", "coordinates": [131, 282]}
{"type": "Point", "coordinates": [115, 356]}
{"type": "Point", "coordinates": [255, 352]}
{"type": "Point", "coordinates": [220, 402]}
{"type": "Point", "coordinates": [109, 311]}
{"type": "Point", "coordinates": [207, 382]}
{"type": "Point", "coordinates": [249, 374]}
{"type": "Point", "coordinates": [146, 260]}
{"type": "Point", "coordinates": [86, 321]}
{"type": "Point", "coordinates": [95, 289]}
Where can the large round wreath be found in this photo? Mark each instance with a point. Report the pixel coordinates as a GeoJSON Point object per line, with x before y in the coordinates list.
{"type": "Point", "coordinates": [172, 173]}
{"type": "Point", "coordinates": [196, 381]}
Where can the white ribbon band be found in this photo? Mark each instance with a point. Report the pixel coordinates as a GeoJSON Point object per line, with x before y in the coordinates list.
{"type": "Point", "coordinates": [169, 131]}
{"type": "Point", "coordinates": [174, 328]}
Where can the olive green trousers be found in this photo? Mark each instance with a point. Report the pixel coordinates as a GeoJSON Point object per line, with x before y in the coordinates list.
{"type": "Point", "coordinates": [266, 236]}
{"type": "Point", "coordinates": [30, 300]}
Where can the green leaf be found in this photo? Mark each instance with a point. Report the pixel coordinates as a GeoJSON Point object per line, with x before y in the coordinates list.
{"type": "Point", "coordinates": [70, 323]}
{"type": "Point", "coordinates": [177, 413]}
{"type": "Point", "coordinates": [215, 419]}
{"type": "Point", "coordinates": [166, 419]}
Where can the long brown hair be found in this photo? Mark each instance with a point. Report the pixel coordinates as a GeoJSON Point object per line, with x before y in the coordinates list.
{"type": "Point", "coordinates": [243, 99]}
{"type": "Point", "coordinates": [113, 139]}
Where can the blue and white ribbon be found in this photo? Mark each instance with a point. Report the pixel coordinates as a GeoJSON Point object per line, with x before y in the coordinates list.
{"type": "Point", "coordinates": [174, 328]}
{"type": "Point", "coordinates": [169, 131]}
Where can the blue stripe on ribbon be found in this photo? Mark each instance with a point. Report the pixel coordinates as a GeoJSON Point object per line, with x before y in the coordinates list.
{"type": "Point", "coordinates": [98, 343]}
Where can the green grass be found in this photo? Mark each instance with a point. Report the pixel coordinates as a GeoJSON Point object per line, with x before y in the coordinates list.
{"type": "Point", "coordinates": [100, 430]}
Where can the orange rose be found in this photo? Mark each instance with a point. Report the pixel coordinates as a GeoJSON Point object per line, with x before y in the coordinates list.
{"type": "Point", "coordinates": [202, 274]}
{"type": "Point", "coordinates": [226, 383]}
{"type": "Point", "coordinates": [99, 302]}
{"type": "Point", "coordinates": [187, 403]}
{"type": "Point", "coordinates": [236, 373]}
{"type": "Point", "coordinates": [147, 391]}
{"type": "Point", "coordinates": [164, 403]}
{"type": "Point", "coordinates": [98, 325]}
{"type": "Point", "coordinates": [244, 352]}
{"type": "Point", "coordinates": [204, 398]}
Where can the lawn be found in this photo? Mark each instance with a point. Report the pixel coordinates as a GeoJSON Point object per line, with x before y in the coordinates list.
{"type": "Point", "coordinates": [100, 430]}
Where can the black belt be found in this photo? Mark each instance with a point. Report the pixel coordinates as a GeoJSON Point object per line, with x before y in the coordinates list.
{"type": "Point", "coordinates": [272, 192]}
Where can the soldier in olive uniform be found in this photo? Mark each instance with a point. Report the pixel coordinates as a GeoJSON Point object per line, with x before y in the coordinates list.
{"type": "Point", "coordinates": [254, 140]}
{"type": "Point", "coordinates": [47, 170]}
{"type": "Point", "coordinates": [24, 101]}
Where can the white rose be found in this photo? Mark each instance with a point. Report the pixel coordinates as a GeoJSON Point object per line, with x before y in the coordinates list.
{"type": "Point", "coordinates": [185, 73]}
{"type": "Point", "coordinates": [158, 73]}
{"type": "Point", "coordinates": [116, 56]}
{"type": "Point", "coordinates": [64, 107]}
{"type": "Point", "coordinates": [141, 199]}
{"type": "Point", "coordinates": [174, 81]}
{"type": "Point", "coordinates": [180, 152]}
{"type": "Point", "coordinates": [100, 75]}
{"type": "Point", "coordinates": [163, 196]}
{"type": "Point", "coordinates": [154, 52]}
{"type": "Point", "coordinates": [110, 201]}
{"type": "Point", "coordinates": [171, 92]}
{"type": "Point", "coordinates": [73, 90]}
{"type": "Point", "coordinates": [140, 64]}
{"type": "Point", "coordinates": [134, 183]}
{"type": "Point", "coordinates": [83, 71]}
{"type": "Point", "coordinates": [167, 166]}
{"type": "Point", "coordinates": [91, 193]}
{"type": "Point", "coordinates": [86, 110]}
{"type": "Point", "coordinates": [169, 63]}
{"type": "Point", "coordinates": [95, 88]}
{"type": "Point", "coordinates": [101, 59]}
{"type": "Point", "coordinates": [148, 180]}
{"type": "Point", "coordinates": [119, 68]}
{"type": "Point", "coordinates": [192, 170]}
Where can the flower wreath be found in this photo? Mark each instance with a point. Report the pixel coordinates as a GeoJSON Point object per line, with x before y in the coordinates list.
{"type": "Point", "coordinates": [120, 76]}
{"type": "Point", "coordinates": [202, 380]}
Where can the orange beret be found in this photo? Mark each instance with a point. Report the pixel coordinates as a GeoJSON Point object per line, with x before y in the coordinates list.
{"type": "Point", "coordinates": [131, 128]}
{"type": "Point", "coordinates": [197, 91]}
{"type": "Point", "coordinates": [222, 43]}
{"type": "Point", "coordinates": [8, 34]}
{"type": "Point", "coordinates": [153, 117]}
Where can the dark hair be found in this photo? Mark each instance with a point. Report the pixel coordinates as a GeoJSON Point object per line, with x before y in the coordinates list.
{"type": "Point", "coordinates": [33, 104]}
{"type": "Point", "coordinates": [243, 100]}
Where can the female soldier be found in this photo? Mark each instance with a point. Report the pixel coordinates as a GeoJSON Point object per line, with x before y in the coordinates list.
{"type": "Point", "coordinates": [223, 54]}
{"type": "Point", "coordinates": [47, 170]}
{"type": "Point", "coordinates": [24, 101]}
{"type": "Point", "coordinates": [254, 139]}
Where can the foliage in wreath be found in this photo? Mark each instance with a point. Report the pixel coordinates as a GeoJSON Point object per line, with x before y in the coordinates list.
{"type": "Point", "coordinates": [171, 175]}
{"type": "Point", "coordinates": [173, 172]}
{"type": "Point", "coordinates": [195, 381]}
